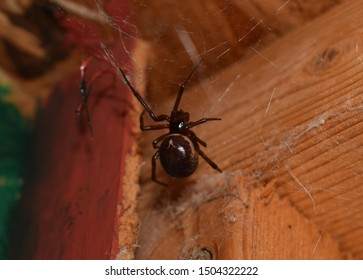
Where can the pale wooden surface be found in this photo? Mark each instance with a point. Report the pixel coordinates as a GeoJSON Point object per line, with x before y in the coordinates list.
{"type": "Point", "coordinates": [292, 113]}
{"type": "Point", "coordinates": [221, 31]}
{"type": "Point", "coordinates": [232, 221]}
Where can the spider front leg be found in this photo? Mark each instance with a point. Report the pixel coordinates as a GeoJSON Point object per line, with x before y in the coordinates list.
{"type": "Point", "coordinates": [146, 106]}
{"type": "Point", "coordinates": [198, 122]}
{"type": "Point", "coordinates": [153, 172]}
{"type": "Point", "coordinates": [151, 127]}
{"type": "Point", "coordinates": [183, 85]}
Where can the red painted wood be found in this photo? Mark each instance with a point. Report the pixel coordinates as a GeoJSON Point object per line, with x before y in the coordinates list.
{"type": "Point", "coordinates": [71, 194]}
{"type": "Point", "coordinates": [68, 208]}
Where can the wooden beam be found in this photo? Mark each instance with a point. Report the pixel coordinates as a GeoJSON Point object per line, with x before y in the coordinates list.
{"type": "Point", "coordinates": [221, 31]}
{"type": "Point", "coordinates": [292, 118]}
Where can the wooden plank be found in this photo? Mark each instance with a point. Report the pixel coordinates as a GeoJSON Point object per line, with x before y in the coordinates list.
{"type": "Point", "coordinates": [221, 31]}
{"type": "Point", "coordinates": [283, 16]}
{"type": "Point", "coordinates": [79, 197]}
{"type": "Point", "coordinates": [223, 218]}
{"type": "Point", "coordinates": [292, 113]}
{"type": "Point", "coordinates": [70, 196]}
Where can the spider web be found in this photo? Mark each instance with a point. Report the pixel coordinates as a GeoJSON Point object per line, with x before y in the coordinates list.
{"type": "Point", "coordinates": [177, 40]}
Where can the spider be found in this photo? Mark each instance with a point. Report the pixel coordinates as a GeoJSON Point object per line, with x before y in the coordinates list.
{"type": "Point", "coordinates": [179, 148]}
{"type": "Point", "coordinates": [86, 90]}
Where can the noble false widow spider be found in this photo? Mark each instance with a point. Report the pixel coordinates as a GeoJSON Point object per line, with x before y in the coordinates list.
{"type": "Point", "coordinates": [179, 148]}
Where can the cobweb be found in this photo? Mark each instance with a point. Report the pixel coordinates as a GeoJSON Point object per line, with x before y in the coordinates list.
{"type": "Point", "coordinates": [179, 34]}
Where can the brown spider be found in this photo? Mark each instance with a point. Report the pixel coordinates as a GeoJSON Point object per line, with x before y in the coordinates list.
{"type": "Point", "coordinates": [179, 148]}
{"type": "Point", "coordinates": [85, 91]}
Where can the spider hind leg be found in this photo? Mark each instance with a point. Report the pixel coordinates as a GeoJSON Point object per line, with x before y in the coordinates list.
{"type": "Point", "coordinates": [207, 159]}
{"type": "Point", "coordinates": [153, 172]}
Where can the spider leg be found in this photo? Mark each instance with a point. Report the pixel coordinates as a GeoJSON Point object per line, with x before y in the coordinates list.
{"type": "Point", "coordinates": [143, 102]}
{"type": "Point", "coordinates": [182, 87]}
{"type": "Point", "coordinates": [153, 172]}
{"type": "Point", "coordinates": [79, 109]}
{"type": "Point", "coordinates": [198, 122]}
{"type": "Point", "coordinates": [196, 138]}
{"type": "Point", "coordinates": [151, 127]}
{"type": "Point", "coordinates": [93, 79]}
{"type": "Point", "coordinates": [89, 124]}
{"type": "Point", "coordinates": [83, 85]}
{"type": "Point", "coordinates": [158, 140]}
{"type": "Point", "coordinates": [84, 65]}
{"type": "Point", "coordinates": [207, 159]}
{"type": "Point", "coordinates": [85, 91]}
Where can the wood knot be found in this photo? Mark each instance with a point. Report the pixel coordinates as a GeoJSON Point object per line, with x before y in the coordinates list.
{"type": "Point", "coordinates": [324, 59]}
{"type": "Point", "coordinates": [201, 254]}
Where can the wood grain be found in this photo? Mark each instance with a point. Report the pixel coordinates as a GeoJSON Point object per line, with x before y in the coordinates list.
{"type": "Point", "coordinates": [293, 114]}
{"type": "Point", "coordinates": [221, 31]}
{"type": "Point", "coordinates": [225, 219]}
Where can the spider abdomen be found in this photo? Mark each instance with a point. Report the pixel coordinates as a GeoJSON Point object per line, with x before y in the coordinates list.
{"type": "Point", "coordinates": [178, 156]}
